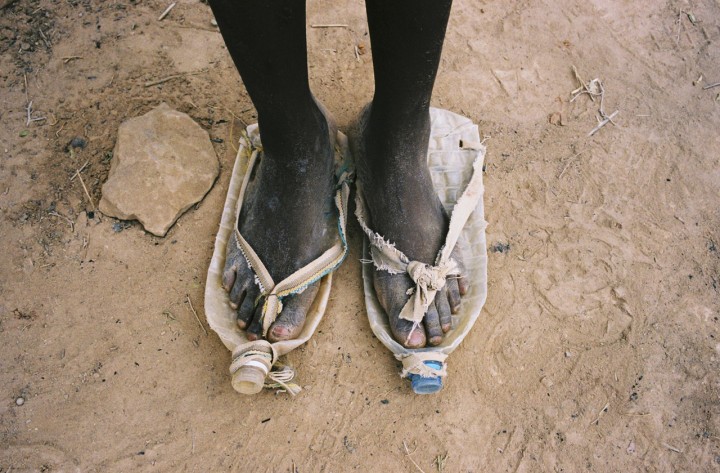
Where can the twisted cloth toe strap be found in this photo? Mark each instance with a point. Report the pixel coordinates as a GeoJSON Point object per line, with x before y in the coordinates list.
{"type": "Point", "coordinates": [305, 276]}
{"type": "Point", "coordinates": [261, 355]}
{"type": "Point", "coordinates": [414, 363]}
{"type": "Point", "coordinates": [428, 279]}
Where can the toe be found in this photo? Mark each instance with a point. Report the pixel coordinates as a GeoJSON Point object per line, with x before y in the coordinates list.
{"type": "Point", "coordinates": [453, 295]}
{"type": "Point", "coordinates": [463, 284]}
{"type": "Point", "coordinates": [232, 255]}
{"type": "Point", "coordinates": [443, 308]}
{"type": "Point", "coordinates": [432, 326]}
{"type": "Point", "coordinates": [403, 332]}
{"type": "Point", "coordinates": [237, 293]}
{"type": "Point", "coordinates": [391, 290]}
{"type": "Point", "coordinates": [228, 278]}
{"type": "Point", "coordinates": [254, 331]}
{"type": "Point", "coordinates": [292, 318]}
{"type": "Point", "coordinates": [416, 339]}
{"type": "Point", "coordinates": [247, 308]}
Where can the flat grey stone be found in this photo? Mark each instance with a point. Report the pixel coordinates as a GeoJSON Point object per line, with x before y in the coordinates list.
{"type": "Point", "coordinates": [163, 163]}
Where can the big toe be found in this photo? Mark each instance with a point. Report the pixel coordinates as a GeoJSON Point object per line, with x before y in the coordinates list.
{"type": "Point", "coordinates": [291, 321]}
{"type": "Point", "coordinates": [409, 336]}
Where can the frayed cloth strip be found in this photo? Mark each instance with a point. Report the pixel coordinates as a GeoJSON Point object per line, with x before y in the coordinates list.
{"type": "Point", "coordinates": [414, 363]}
{"type": "Point", "coordinates": [428, 279]}
{"type": "Point", "coordinates": [305, 276]}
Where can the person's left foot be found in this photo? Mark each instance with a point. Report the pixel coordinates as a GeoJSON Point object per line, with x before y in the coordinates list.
{"type": "Point", "coordinates": [406, 211]}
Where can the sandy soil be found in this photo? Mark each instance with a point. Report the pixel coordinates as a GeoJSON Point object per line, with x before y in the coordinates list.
{"type": "Point", "coordinates": [597, 349]}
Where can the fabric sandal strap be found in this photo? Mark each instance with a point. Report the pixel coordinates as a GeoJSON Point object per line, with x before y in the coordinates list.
{"type": "Point", "coordinates": [428, 279]}
{"type": "Point", "coordinates": [305, 276]}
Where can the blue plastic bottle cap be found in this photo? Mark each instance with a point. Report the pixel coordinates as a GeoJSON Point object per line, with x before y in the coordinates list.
{"type": "Point", "coordinates": [421, 385]}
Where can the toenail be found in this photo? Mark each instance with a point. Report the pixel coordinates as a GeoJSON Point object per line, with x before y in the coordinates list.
{"type": "Point", "coordinates": [416, 340]}
{"type": "Point", "coordinates": [281, 332]}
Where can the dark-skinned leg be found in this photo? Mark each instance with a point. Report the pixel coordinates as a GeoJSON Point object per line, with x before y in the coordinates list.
{"type": "Point", "coordinates": [286, 215]}
{"type": "Point", "coordinates": [406, 38]}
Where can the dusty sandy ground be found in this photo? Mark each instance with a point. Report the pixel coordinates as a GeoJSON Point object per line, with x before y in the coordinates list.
{"type": "Point", "coordinates": [598, 346]}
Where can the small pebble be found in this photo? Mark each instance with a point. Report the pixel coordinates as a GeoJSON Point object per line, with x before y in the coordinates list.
{"type": "Point", "coordinates": [78, 142]}
{"type": "Point", "coordinates": [19, 401]}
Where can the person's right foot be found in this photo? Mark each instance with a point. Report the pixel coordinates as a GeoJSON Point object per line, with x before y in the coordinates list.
{"type": "Point", "coordinates": [406, 211]}
{"type": "Point", "coordinates": [288, 217]}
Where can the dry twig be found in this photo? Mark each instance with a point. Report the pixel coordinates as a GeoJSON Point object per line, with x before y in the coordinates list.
{"type": "Point", "coordinates": [583, 85]}
{"type": "Point", "coordinates": [600, 414]}
{"type": "Point", "coordinates": [30, 118]}
{"type": "Point", "coordinates": [28, 107]}
{"type": "Point", "coordinates": [594, 88]}
{"type": "Point", "coordinates": [710, 86]}
{"type": "Point", "coordinates": [56, 214]}
{"type": "Point", "coordinates": [167, 10]}
{"type": "Point", "coordinates": [670, 447]}
{"type": "Point", "coordinates": [87, 194]}
{"type": "Point", "coordinates": [189, 303]}
{"type": "Point", "coordinates": [174, 76]}
{"type": "Point", "coordinates": [605, 121]}
{"type": "Point", "coordinates": [408, 454]}
{"type": "Point", "coordinates": [77, 173]}
{"type": "Point", "coordinates": [567, 164]}
{"type": "Point", "coordinates": [440, 462]}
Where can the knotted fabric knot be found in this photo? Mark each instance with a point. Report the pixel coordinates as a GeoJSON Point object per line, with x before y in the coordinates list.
{"type": "Point", "coordinates": [428, 281]}
{"type": "Point", "coordinates": [414, 364]}
{"type": "Point", "coordinates": [430, 277]}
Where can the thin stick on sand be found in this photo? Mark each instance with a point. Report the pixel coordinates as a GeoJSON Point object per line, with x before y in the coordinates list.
{"type": "Point", "coordinates": [57, 214]}
{"type": "Point", "coordinates": [567, 163]}
{"type": "Point", "coordinates": [583, 85]}
{"type": "Point", "coordinates": [79, 175]}
{"type": "Point", "coordinates": [710, 86]}
{"type": "Point", "coordinates": [409, 455]}
{"type": "Point", "coordinates": [189, 303]}
{"type": "Point", "coordinates": [174, 76]}
{"type": "Point", "coordinates": [167, 10]}
{"type": "Point", "coordinates": [604, 122]}
{"type": "Point", "coordinates": [600, 414]}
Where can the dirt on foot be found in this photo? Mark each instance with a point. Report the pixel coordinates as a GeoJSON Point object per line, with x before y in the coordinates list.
{"type": "Point", "coordinates": [597, 349]}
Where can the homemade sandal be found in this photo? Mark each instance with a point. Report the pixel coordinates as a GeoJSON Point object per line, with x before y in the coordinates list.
{"type": "Point", "coordinates": [455, 159]}
{"type": "Point", "coordinates": [252, 361]}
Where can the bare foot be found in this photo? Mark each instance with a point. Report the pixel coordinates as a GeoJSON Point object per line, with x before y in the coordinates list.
{"type": "Point", "coordinates": [405, 210]}
{"type": "Point", "coordinates": [288, 217]}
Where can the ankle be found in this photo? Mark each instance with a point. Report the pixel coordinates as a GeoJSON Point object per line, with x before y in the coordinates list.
{"type": "Point", "coordinates": [393, 112]}
{"type": "Point", "coordinates": [295, 133]}
{"type": "Point", "coordinates": [396, 143]}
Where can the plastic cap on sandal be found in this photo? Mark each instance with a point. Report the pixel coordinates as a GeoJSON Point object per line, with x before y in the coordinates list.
{"type": "Point", "coordinates": [423, 385]}
{"type": "Point", "coordinates": [248, 380]}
